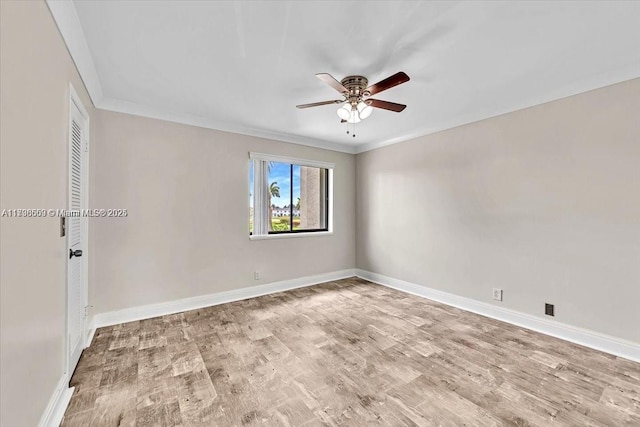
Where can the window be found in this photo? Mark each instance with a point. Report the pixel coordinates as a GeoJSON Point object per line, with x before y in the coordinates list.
{"type": "Point", "coordinates": [288, 196]}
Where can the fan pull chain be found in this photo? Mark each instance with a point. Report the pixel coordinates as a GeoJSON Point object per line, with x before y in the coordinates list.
{"type": "Point", "coordinates": [354, 124]}
{"type": "Point", "coordinates": [354, 128]}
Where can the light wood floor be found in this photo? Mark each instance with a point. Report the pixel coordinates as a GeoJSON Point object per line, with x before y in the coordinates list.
{"type": "Point", "coordinates": [344, 353]}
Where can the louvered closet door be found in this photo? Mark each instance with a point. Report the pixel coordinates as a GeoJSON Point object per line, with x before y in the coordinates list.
{"type": "Point", "coordinates": [75, 230]}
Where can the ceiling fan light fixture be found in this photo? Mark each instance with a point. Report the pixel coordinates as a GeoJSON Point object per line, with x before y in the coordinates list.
{"type": "Point", "coordinates": [354, 117]}
{"type": "Point", "coordinates": [364, 110]}
{"type": "Point", "coordinates": [349, 114]}
{"type": "Point", "coordinates": [344, 112]}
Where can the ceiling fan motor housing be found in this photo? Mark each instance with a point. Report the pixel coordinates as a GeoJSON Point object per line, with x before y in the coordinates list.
{"type": "Point", "coordinates": [356, 85]}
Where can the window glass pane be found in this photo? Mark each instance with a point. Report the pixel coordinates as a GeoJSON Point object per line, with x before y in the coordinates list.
{"type": "Point", "coordinates": [291, 198]}
{"type": "Point", "coordinates": [313, 198]}
{"type": "Point", "coordinates": [279, 181]}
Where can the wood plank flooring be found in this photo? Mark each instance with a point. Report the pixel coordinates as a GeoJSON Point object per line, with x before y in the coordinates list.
{"type": "Point", "coordinates": [345, 353]}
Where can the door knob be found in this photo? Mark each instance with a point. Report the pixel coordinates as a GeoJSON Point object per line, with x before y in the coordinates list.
{"type": "Point", "coordinates": [73, 253]}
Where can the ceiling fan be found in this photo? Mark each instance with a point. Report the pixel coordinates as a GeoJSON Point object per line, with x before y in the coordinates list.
{"type": "Point", "coordinates": [356, 96]}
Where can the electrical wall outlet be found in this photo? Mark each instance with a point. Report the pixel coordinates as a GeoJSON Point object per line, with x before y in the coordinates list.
{"type": "Point", "coordinates": [497, 294]}
{"type": "Point", "coordinates": [256, 275]}
{"type": "Point", "coordinates": [549, 309]}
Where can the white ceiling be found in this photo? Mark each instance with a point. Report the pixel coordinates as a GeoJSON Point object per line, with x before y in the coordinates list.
{"type": "Point", "coordinates": [243, 66]}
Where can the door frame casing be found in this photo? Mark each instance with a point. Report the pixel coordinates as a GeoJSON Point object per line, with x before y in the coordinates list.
{"type": "Point", "coordinates": [75, 102]}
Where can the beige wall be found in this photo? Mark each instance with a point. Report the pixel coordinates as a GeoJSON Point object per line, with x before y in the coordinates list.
{"type": "Point", "coordinates": [35, 72]}
{"type": "Point", "coordinates": [186, 190]}
{"type": "Point", "coordinates": [543, 203]}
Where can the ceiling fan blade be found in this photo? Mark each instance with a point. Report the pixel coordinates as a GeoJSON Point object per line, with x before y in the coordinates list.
{"type": "Point", "coordinates": [388, 83]}
{"type": "Point", "coordinates": [331, 81]}
{"type": "Point", "coordinates": [386, 105]}
{"type": "Point", "coordinates": [317, 104]}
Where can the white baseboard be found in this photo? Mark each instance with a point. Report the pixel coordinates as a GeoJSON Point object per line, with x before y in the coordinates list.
{"type": "Point", "coordinates": [608, 344]}
{"type": "Point", "coordinates": [52, 416]}
{"type": "Point", "coordinates": [612, 345]}
{"type": "Point", "coordinates": [154, 310]}
{"type": "Point", "coordinates": [91, 332]}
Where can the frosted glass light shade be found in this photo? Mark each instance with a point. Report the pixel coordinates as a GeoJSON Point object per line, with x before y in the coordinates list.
{"type": "Point", "coordinates": [351, 115]}
{"type": "Point", "coordinates": [354, 117]}
{"type": "Point", "coordinates": [344, 112]}
{"type": "Point", "coordinates": [364, 110]}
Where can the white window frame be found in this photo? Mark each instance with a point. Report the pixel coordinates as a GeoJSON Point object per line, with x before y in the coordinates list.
{"type": "Point", "coordinates": [301, 162]}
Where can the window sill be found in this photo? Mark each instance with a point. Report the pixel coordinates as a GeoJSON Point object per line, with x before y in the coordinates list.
{"type": "Point", "coordinates": [291, 235]}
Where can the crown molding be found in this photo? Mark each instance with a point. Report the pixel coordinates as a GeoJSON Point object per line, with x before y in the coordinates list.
{"type": "Point", "coordinates": [68, 22]}
{"type": "Point", "coordinates": [135, 109]}
{"type": "Point", "coordinates": [574, 88]}
{"type": "Point", "coordinates": [66, 18]}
